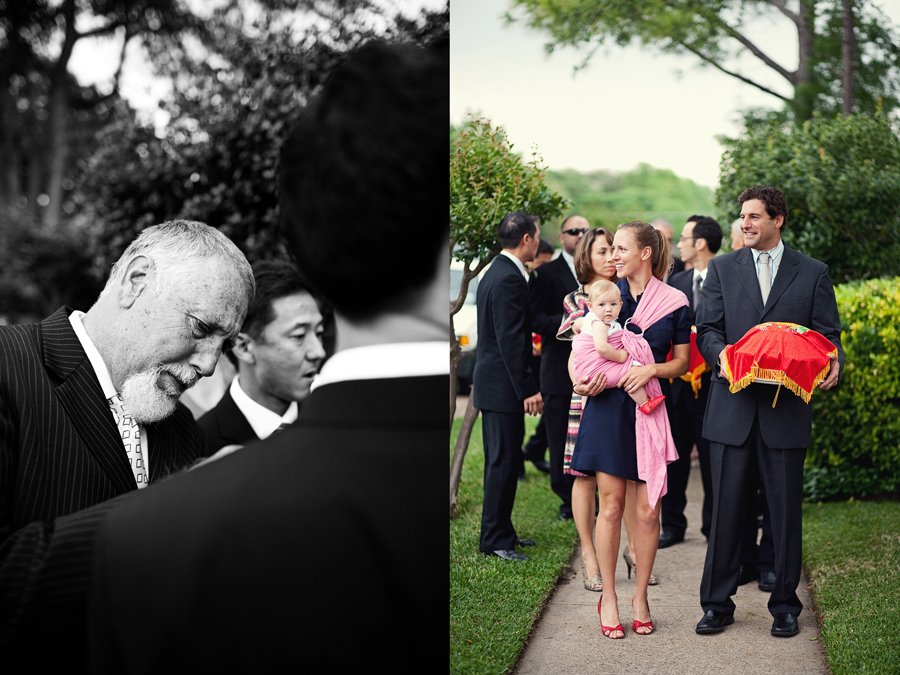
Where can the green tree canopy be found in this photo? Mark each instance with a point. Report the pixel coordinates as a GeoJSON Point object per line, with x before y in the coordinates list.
{"type": "Point", "coordinates": [841, 179]}
{"type": "Point", "coordinates": [715, 31]}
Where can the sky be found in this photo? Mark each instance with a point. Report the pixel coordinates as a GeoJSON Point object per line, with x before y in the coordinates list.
{"type": "Point", "coordinates": [630, 105]}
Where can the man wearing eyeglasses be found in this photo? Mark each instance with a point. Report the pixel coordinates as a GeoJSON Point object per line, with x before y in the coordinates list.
{"type": "Point", "coordinates": [548, 286]}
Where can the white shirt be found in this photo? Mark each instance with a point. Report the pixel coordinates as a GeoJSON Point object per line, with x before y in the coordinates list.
{"type": "Point", "coordinates": [263, 421]}
{"type": "Point", "coordinates": [373, 362]}
{"type": "Point", "coordinates": [701, 274]}
{"type": "Point", "coordinates": [102, 373]}
{"type": "Point", "coordinates": [518, 263]}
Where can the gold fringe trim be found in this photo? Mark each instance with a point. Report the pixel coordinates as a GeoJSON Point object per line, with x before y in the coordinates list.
{"type": "Point", "coordinates": [757, 373]}
{"type": "Point", "coordinates": [694, 378]}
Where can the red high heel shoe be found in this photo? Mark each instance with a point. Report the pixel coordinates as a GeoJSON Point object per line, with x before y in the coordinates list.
{"type": "Point", "coordinates": [608, 630]}
{"type": "Point", "coordinates": [639, 624]}
{"type": "Point", "coordinates": [651, 404]}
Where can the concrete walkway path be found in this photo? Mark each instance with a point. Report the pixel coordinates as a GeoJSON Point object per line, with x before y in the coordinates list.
{"type": "Point", "coordinates": [567, 638]}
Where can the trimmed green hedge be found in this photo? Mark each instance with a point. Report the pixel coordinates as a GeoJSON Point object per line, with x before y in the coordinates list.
{"type": "Point", "coordinates": [855, 448]}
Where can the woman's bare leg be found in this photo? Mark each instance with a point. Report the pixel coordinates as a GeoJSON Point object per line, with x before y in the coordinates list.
{"type": "Point", "coordinates": [643, 548]}
{"type": "Point", "coordinates": [583, 508]}
{"type": "Point", "coordinates": [609, 530]}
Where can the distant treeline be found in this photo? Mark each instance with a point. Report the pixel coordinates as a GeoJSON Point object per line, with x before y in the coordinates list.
{"type": "Point", "coordinates": [608, 198]}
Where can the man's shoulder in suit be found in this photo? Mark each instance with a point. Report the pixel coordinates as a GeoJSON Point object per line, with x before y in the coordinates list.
{"type": "Point", "coordinates": [683, 278]}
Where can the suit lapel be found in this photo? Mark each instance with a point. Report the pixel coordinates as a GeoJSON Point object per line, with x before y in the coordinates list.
{"type": "Point", "coordinates": [787, 270]}
{"type": "Point", "coordinates": [233, 425]}
{"type": "Point", "coordinates": [82, 398]}
{"type": "Point", "coordinates": [746, 274]}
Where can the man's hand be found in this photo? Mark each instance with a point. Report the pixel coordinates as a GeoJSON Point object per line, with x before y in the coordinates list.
{"type": "Point", "coordinates": [832, 377]}
{"type": "Point", "coordinates": [722, 365]}
{"type": "Point", "coordinates": [590, 386]}
{"type": "Point", "coordinates": [534, 405]}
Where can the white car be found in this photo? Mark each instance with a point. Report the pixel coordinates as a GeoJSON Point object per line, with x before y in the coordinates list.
{"type": "Point", "coordinates": [465, 323]}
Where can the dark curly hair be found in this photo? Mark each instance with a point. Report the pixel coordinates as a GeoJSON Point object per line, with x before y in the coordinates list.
{"type": "Point", "coordinates": [771, 198]}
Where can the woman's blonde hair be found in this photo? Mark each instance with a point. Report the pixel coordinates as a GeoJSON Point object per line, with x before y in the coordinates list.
{"type": "Point", "coordinates": [646, 235]}
{"type": "Point", "coordinates": [584, 268]}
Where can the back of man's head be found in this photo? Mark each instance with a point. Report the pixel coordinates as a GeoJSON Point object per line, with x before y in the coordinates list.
{"type": "Point", "coordinates": [710, 230]}
{"type": "Point", "coordinates": [514, 226]}
{"type": "Point", "coordinates": [364, 176]}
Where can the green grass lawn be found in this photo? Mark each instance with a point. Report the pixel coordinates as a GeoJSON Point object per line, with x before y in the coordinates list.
{"type": "Point", "coordinates": [493, 602]}
{"type": "Point", "coordinates": [851, 551]}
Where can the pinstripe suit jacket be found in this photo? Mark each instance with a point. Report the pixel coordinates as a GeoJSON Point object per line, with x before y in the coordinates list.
{"type": "Point", "coordinates": [60, 452]}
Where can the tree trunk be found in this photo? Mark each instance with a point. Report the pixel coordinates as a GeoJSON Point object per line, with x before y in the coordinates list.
{"type": "Point", "coordinates": [804, 89]}
{"type": "Point", "coordinates": [459, 452]}
{"type": "Point", "coordinates": [848, 49]}
{"type": "Point", "coordinates": [455, 356]}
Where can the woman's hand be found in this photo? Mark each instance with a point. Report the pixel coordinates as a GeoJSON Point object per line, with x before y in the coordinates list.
{"type": "Point", "coordinates": [590, 386]}
{"type": "Point", "coordinates": [637, 377]}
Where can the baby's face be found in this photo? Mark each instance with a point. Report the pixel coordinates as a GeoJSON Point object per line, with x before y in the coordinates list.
{"type": "Point", "coordinates": [606, 308]}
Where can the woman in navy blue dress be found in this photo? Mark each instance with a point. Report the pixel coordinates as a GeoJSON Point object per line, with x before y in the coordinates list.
{"type": "Point", "coordinates": [606, 444]}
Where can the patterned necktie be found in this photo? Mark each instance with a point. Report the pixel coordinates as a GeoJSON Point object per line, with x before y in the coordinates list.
{"type": "Point", "coordinates": [130, 434]}
{"type": "Point", "coordinates": [765, 276]}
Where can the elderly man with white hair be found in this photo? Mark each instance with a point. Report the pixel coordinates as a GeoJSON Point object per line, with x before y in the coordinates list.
{"type": "Point", "coordinates": [89, 401]}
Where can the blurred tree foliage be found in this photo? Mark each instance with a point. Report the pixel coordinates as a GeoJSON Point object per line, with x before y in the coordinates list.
{"type": "Point", "coordinates": [240, 73]}
{"type": "Point", "coordinates": [841, 179]}
{"type": "Point", "coordinates": [608, 198]}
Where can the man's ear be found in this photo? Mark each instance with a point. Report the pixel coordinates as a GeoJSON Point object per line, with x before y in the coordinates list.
{"type": "Point", "coordinates": [243, 349]}
{"type": "Point", "coordinates": [700, 244]}
{"type": "Point", "coordinates": [136, 281]}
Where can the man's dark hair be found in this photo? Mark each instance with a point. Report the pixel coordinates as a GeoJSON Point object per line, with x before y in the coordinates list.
{"type": "Point", "coordinates": [771, 198]}
{"type": "Point", "coordinates": [514, 226]}
{"type": "Point", "coordinates": [276, 279]}
{"type": "Point", "coordinates": [710, 230]}
{"type": "Point", "coordinates": [364, 176]}
{"type": "Point", "coordinates": [545, 246]}
{"type": "Point", "coordinates": [694, 219]}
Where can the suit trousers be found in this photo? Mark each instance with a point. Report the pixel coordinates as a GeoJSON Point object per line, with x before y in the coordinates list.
{"type": "Point", "coordinates": [736, 471]}
{"type": "Point", "coordinates": [556, 416]}
{"type": "Point", "coordinates": [687, 427]}
{"type": "Point", "coordinates": [502, 434]}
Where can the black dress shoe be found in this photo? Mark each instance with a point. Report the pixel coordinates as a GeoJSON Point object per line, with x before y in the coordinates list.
{"type": "Point", "coordinates": [525, 542]}
{"type": "Point", "coordinates": [506, 555]}
{"type": "Point", "coordinates": [714, 622]}
{"type": "Point", "coordinates": [785, 625]}
{"type": "Point", "coordinates": [541, 465]}
{"type": "Point", "coordinates": [669, 537]}
{"type": "Point", "coordinates": [767, 582]}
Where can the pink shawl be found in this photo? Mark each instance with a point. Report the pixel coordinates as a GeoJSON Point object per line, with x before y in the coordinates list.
{"type": "Point", "coordinates": [655, 447]}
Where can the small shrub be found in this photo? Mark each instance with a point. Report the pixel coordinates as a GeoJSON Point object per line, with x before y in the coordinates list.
{"type": "Point", "coordinates": [855, 448]}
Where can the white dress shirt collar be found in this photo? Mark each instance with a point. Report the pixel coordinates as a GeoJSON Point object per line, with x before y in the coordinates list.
{"type": "Point", "coordinates": [373, 362]}
{"type": "Point", "coordinates": [571, 262]}
{"type": "Point", "coordinates": [106, 384]}
{"type": "Point", "coordinates": [517, 262]}
{"type": "Point", "coordinates": [263, 421]}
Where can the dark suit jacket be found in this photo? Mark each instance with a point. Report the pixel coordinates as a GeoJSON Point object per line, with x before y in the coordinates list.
{"type": "Point", "coordinates": [60, 452]}
{"type": "Point", "coordinates": [732, 305]}
{"type": "Point", "coordinates": [503, 377]}
{"type": "Point", "coordinates": [313, 545]}
{"type": "Point", "coordinates": [549, 285]}
{"type": "Point", "coordinates": [682, 392]}
{"type": "Point", "coordinates": [225, 424]}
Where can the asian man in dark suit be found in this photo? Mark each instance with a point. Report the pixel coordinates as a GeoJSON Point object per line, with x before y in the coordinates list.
{"type": "Point", "coordinates": [175, 297]}
{"type": "Point", "coordinates": [749, 437]}
{"type": "Point", "coordinates": [503, 386]}
{"type": "Point", "coordinates": [548, 287]}
{"type": "Point", "coordinates": [281, 346]}
{"type": "Point", "coordinates": [700, 240]}
{"type": "Point", "coordinates": [319, 544]}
